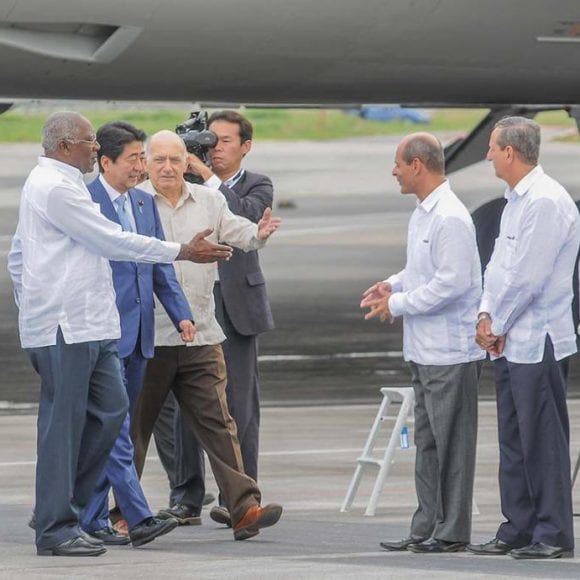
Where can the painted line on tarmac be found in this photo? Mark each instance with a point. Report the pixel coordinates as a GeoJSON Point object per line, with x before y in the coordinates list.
{"type": "Point", "coordinates": [322, 230]}
{"type": "Point", "coordinates": [262, 454]}
{"type": "Point", "coordinates": [340, 355]}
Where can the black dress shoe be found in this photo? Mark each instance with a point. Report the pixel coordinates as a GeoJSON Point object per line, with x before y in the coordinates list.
{"type": "Point", "coordinates": [74, 547]}
{"type": "Point", "coordinates": [184, 514]}
{"type": "Point", "coordinates": [109, 537]}
{"type": "Point", "coordinates": [150, 529]}
{"type": "Point", "coordinates": [221, 515]}
{"type": "Point", "coordinates": [91, 539]}
{"type": "Point", "coordinates": [495, 547]}
{"type": "Point", "coordinates": [207, 499]}
{"type": "Point", "coordinates": [86, 537]}
{"type": "Point", "coordinates": [541, 551]}
{"type": "Point", "coordinates": [433, 546]}
{"type": "Point", "coordinates": [402, 545]}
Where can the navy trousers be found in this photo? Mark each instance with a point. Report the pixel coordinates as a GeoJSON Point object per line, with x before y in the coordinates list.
{"type": "Point", "coordinates": [534, 442]}
{"type": "Point", "coordinates": [119, 472]}
{"type": "Point", "coordinates": [82, 406]}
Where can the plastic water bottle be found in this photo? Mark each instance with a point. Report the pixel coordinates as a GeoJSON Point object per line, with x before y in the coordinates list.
{"type": "Point", "coordinates": [404, 438]}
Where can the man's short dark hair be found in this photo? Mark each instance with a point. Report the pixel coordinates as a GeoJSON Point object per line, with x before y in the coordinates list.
{"type": "Point", "coordinates": [113, 137]}
{"type": "Point", "coordinates": [246, 129]}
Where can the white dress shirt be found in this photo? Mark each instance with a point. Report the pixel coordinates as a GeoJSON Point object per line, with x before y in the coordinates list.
{"type": "Point", "coordinates": [439, 290]}
{"type": "Point", "coordinates": [528, 281]}
{"type": "Point", "coordinates": [114, 195]}
{"type": "Point", "coordinates": [198, 209]}
{"type": "Point", "coordinates": [215, 182]}
{"type": "Point", "coordinates": [59, 260]}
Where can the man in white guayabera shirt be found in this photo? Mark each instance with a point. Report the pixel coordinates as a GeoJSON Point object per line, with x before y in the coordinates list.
{"type": "Point", "coordinates": [525, 323]}
{"type": "Point", "coordinates": [438, 295]}
{"type": "Point", "coordinates": [69, 325]}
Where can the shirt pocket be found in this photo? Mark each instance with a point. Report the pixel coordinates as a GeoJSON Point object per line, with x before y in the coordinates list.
{"type": "Point", "coordinates": [507, 253]}
{"type": "Point", "coordinates": [424, 263]}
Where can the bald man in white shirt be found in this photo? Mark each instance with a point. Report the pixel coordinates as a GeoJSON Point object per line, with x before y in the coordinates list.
{"type": "Point", "coordinates": [526, 324]}
{"type": "Point", "coordinates": [437, 294]}
{"type": "Point", "coordinates": [69, 325]}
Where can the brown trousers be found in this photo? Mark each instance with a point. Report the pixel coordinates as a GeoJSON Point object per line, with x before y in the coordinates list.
{"type": "Point", "coordinates": [197, 377]}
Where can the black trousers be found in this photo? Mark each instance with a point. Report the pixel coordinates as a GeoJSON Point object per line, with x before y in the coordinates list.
{"type": "Point", "coordinates": [534, 442]}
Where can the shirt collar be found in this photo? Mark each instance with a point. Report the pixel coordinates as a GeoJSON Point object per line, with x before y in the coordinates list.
{"type": "Point", "coordinates": [431, 200]}
{"type": "Point", "coordinates": [111, 191]}
{"type": "Point", "coordinates": [65, 168]}
{"type": "Point", "coordinates": [188, 192]}
{"type": "Point", "coordinates": [523, 185]}
{"type": "Point", "coordinates": [234, 179]}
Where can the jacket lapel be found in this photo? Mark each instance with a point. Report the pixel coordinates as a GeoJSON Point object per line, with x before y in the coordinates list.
{"type": "Point", "coordinates": [137, 203]}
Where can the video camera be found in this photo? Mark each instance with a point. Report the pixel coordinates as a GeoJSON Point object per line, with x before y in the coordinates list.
{"type": "Point", "coordinates": [197, 138]}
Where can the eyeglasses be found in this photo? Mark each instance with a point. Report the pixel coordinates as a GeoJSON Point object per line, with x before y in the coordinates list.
{"type": "Point", "coordinates": [90, 142]}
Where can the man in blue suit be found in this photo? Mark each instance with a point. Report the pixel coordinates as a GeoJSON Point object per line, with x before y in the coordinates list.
{"type": "Point", "coordinates": [121, 159]}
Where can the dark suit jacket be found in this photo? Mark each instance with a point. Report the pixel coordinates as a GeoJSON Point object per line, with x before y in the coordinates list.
{"type": "Point", "coordinates": [242, 283]}
{"type": "Point", "coordinates": [135, 283]}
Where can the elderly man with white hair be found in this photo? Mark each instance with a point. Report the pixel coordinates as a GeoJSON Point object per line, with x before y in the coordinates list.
{"type": "Point", "coordinates": [69, 325]}
{"type": "Point", "coordinates": [196, 372]}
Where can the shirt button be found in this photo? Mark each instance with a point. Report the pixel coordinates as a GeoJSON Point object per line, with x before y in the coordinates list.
{"type": "Point", "coordinates": [138, 300]}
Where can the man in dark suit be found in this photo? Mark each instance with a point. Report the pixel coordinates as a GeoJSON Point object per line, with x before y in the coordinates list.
{"type": "Point", "coordinates": [121, 159]}
{"type": "Point", "coordinates": [242, 307]}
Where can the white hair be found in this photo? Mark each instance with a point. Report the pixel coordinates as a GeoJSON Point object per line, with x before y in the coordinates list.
{"type": "Point", "coordinates": [166, 135]}
{"type": "Point", "coordinates": [60, 126]}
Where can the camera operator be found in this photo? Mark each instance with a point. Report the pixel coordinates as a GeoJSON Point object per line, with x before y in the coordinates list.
{"type": "Point", "coordinates": [242, 307]}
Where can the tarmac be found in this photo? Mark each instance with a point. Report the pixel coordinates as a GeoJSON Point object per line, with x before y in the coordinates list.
{"type": "Point", "coordinates": [346, 229]}
{"type": "Point", "coordinates": [308, 456]}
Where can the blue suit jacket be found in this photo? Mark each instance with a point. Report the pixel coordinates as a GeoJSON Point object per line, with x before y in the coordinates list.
{"type": "Point", "coordinates": [135, 283]}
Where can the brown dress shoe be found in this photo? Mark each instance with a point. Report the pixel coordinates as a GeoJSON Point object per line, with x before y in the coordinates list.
{"type": "Point", "coordinates": [121, 527]}
{"type": "Point", "coordinates": [255, 518]}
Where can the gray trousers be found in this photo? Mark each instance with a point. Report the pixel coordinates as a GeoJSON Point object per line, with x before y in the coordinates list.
{"type": "Point", "coordinates": [82, 406]}
{"type": "Point", "coordinates": [445, 438]}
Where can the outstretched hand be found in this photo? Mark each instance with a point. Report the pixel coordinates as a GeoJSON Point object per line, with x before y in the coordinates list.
{"type": "Point", "coordinates": [268, 224]}
{"type": "Point", "coordinates": [202, 251]}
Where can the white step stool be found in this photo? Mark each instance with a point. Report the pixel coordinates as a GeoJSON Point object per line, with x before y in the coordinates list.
{"type": "Point", "coordinates": [407, 397]}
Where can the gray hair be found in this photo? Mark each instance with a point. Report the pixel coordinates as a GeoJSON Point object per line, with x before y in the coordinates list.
{"type": "Point", "coordinates": [428, 149]}
{"type": "Point", "coordinates": [60, 126]}
{"type": "Point", "coordinates": [523, 135]}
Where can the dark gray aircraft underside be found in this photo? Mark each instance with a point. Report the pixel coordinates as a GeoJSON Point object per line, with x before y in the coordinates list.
{"type": "Point", "coordinates": [438, 52]}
